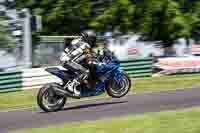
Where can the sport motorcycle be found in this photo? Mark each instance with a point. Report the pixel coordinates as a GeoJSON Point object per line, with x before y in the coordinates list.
{"type": "Point", "coordinates": [109, 78]}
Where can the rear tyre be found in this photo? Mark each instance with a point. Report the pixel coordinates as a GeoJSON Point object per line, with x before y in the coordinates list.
{"type": "Point", "coordinates": [118, 89]}
{"type": "Point", "coordinates": [47, 99]}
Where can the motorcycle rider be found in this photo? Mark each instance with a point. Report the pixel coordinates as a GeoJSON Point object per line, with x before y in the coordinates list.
{"type": "Point", "coordinates": [80, 50]}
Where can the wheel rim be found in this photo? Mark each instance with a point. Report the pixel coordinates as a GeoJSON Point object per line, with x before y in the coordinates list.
{"type": "Point", "coordinates": [120, 87]}
{"type": "Point", "coordinates": [50, 100]}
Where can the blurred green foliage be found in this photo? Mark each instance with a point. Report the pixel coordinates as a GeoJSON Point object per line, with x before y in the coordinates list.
{"type": "Point", "coordinates": [163, 20]}
{"type": "Point", "coordinates": [6, 39]}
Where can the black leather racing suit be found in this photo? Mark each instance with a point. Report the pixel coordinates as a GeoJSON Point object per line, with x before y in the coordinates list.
{"type": "Point", "coordinates": [73, 56]}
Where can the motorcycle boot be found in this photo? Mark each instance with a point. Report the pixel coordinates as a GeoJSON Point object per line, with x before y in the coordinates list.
{"type": "Point", "coordinates": [73, 87]}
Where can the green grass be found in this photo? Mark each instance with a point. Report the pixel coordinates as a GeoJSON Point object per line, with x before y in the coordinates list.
{"type": "Point", "coordinates": [180, 121]}
{"type": "Point", "coordinates": [166, 83]}
{"type": "Point", "coordinates": [18, 99]}
{"type": "Point", "coordinates": [28, 98]}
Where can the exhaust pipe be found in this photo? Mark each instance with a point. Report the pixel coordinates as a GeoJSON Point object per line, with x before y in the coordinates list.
{"type": "Point", "coordinates": [62, 92]}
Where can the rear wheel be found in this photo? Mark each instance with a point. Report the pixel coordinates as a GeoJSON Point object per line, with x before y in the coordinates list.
{"type": "Point", "coordinates": [47, 99]}
{"type": "Point", "coordinates": [118, 89]}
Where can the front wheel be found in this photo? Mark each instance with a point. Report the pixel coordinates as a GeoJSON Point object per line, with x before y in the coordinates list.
{"type": "Point", "coordinates": [118, 89]}
{"type": "Point", "coordinates": [47, 99]}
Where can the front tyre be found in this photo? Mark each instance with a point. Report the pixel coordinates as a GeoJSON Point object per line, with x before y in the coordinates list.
{"type": "Point", "coordinates": [118, 89]}
{"type": "Point", "coordinates": [47, 99]}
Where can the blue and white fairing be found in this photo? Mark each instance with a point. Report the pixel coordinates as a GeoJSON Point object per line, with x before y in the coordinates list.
{"type": "Point", "coordinates": [108, 68]}
{"type": "Point", "coordinates": [60, 72]}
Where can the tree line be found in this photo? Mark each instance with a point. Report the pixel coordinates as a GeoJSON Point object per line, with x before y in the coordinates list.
{"type": "Point", "coordinates": [6, 40]}
{"type": "Point", "coordinates": [162, 20]}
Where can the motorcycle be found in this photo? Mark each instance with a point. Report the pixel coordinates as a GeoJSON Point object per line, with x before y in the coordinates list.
{"type": "Point", "coordinates": [109, 78]}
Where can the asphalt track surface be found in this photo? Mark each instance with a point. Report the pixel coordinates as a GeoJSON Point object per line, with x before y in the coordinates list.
{"type": "Point", "coordinates": [101, 108]}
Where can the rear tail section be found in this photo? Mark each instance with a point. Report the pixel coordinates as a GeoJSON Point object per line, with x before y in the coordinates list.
{"type": "Point", "coordinates": [61, 73]}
